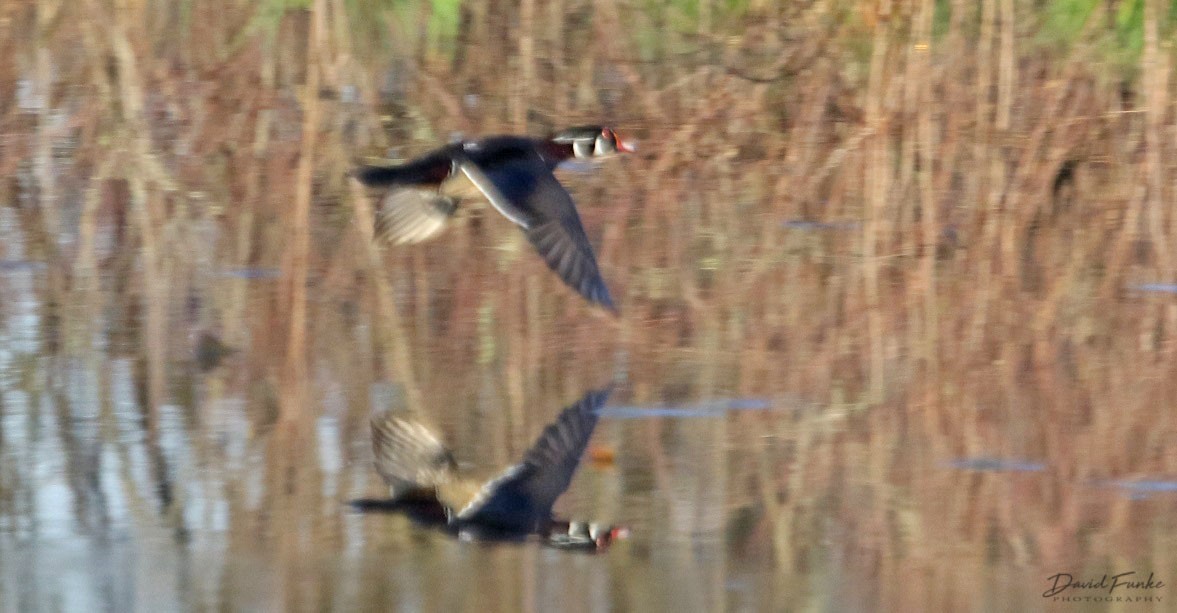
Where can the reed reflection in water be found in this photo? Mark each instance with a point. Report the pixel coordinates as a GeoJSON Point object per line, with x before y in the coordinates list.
{"type": "Point", "coordinates": [99, 514]}
{"type": "Point", "coordinates": [896, 290]}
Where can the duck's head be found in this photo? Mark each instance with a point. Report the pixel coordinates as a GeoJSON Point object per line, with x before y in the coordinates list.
{"type": "Point", "coordinates": [593, 141]}
{"type": "Point", "coordinates": [604, 536]}
{"type": "Point", "coordinates": [587, 536]}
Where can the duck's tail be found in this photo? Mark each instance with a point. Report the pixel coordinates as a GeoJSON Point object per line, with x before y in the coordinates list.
{"type": "Point", "coordinates": [430, 169]}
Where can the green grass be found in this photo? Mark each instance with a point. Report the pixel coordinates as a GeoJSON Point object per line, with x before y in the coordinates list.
{"type": "Point", "coordinates": [269, 15]}
{"type": "Point", "coordinates": [443, 22]}
{"type": "Point", "coordinates": [1062, 25]}
{"type": "Point", "coordinates": [1116, 40]}
{"type": "Point", "coordinates": [368, 20]}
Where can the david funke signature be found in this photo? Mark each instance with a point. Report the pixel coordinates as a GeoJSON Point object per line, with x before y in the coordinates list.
{"type": "Point", "coordinates": [1061, 582]}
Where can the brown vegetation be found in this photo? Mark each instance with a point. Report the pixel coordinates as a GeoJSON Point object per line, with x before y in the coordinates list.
{"type": "Point", "coordinates": [989, 205]}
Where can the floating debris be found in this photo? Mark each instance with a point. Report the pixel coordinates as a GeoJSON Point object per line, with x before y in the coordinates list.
{"type": "Point", "coordinates": [995, 465]}
{"type": "Point", "coordinates": [713, 408]}
{"type": "Point", "coordinates": [601, 456]}
{"type": "Point", "coordinates": [210, 351]}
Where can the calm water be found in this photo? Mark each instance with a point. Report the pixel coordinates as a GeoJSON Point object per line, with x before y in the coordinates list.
{"type": "Point", "coordinates": [740, 497]}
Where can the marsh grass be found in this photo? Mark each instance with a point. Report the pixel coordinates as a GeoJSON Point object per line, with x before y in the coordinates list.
{"type": "Point", "coordinates": [1003, 176]}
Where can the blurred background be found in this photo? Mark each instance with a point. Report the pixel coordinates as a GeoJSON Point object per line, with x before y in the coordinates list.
{"type": "Point", "coordinates": [896, 284]}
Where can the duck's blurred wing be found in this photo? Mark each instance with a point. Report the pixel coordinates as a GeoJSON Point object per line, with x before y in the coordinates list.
{"type": "Point", "coordinates": [409, 215]}
{"type": "Point", "coordinates": [408, 454]}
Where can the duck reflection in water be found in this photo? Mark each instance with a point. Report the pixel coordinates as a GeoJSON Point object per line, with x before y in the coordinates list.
{"type": "Point", "coordinates": [514, 505]}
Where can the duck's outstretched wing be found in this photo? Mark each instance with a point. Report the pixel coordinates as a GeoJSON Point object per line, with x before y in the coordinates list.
{"type": "Point", "coordinates": [518, 182]}
{"type": "Point", "coordinates": [530, 488]}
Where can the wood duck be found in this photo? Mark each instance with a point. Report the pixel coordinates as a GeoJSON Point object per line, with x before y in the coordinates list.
{"type": "Point", "coordinates": [513, 505]}
{"type": "Point", "coordinates": [514, 174]}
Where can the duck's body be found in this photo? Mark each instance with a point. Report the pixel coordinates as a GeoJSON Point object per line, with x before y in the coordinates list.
{"type": "Point", "coordinates": [516, 503]}
{"type": "Point", "coordinates": [515, 175]}
{"type": "Point", "coordinates": [557, 534]}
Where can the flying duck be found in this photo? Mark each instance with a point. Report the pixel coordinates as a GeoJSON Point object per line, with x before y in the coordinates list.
{"type": "Point", "coordinates": [514, 174]}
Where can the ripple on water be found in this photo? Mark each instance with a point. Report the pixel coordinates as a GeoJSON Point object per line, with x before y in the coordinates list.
{"type": "Point", "coordinates": [1164, 288]}
{"type": "Point", "coordinates": [1145, 488]}
{"type": "Point", "coordinates": [712, 408]}
{"type": "Point", "coordinates": [992, 464]}
{"type": "Point", "coordinates": [814, 225]}
{"type": "Point", "coordinates": [11, 266]}
{"type": "Point", "coordinates": [251, 274]}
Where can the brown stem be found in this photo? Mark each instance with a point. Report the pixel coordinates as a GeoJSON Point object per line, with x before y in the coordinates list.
{"type": "Point", "coordinates": [298, 230]}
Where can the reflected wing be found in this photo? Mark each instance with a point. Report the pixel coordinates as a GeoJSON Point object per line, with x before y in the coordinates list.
{"type": "Point", "coordinates": [519, 184]}
{"type": "Point", "coordinates": [532, 486]}
{"type": "Point", "coordinates": [409, 456]}
{"type": "Point", "coordinates": [413, 215]}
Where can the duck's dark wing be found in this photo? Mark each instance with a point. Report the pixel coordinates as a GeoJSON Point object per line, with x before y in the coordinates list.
{"type": "Point", "coordinates": [409, 456]}
{"type": "Point", "coordinates": [519, 184]}
{"type": "Point", "coordinates": [530, 488]}
{"type": "Point", "coordinates": [411, 215]}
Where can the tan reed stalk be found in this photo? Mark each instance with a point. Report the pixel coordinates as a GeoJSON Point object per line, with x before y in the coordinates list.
{"type": "Point", "coordinates": [989, 172]}
{"type": "Point", "coordinates": [398, 351]}
{"type": "Point", "coordinates": [875, 188]}
{"type": "Point", "coordinates": [554, 46]}
{"type": "Point", "coordinates": [1155, 83]}
{"type": "Point", "coordinates": [929, 207]}
{"type": "Point", "coordinates": [296, 254]}
{"type": "Point", "coordinates": [1007, 79]}
{"type": "Point", "coordinates": [526, 82]}
{"type": "Point", "coordinates": [43, 162]}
